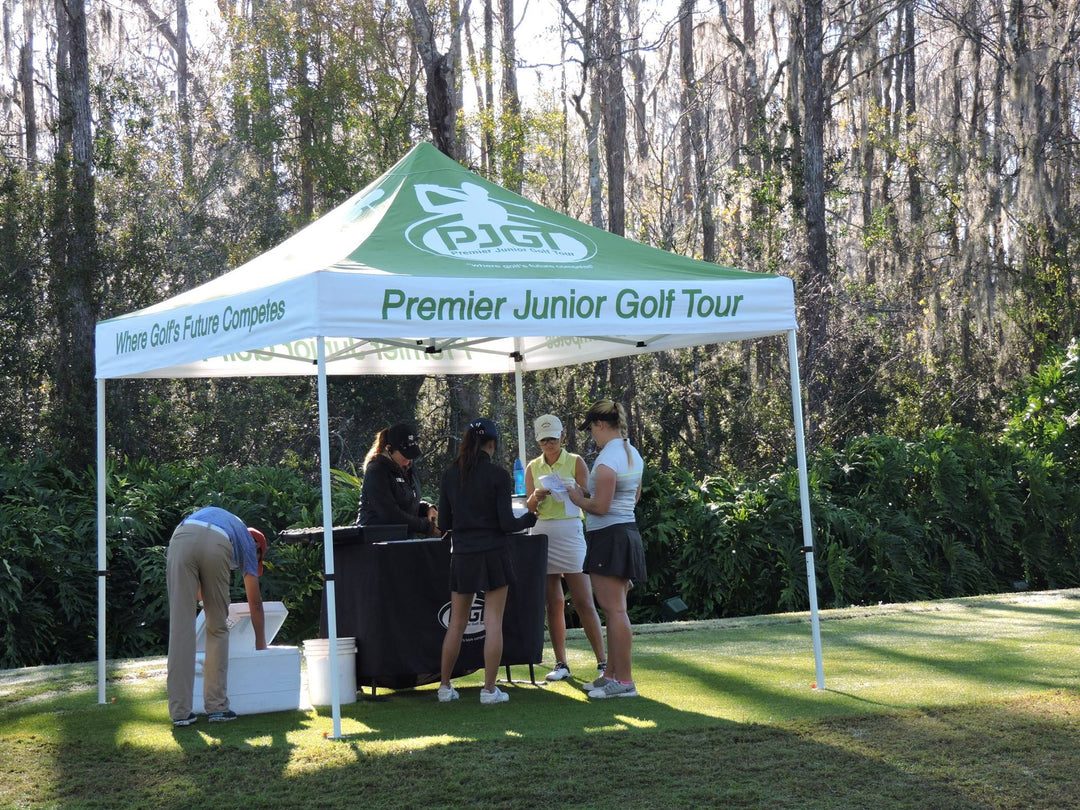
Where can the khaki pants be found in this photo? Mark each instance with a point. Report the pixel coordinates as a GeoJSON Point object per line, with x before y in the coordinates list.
{"type": "Point", "coordinates": [198, 557]}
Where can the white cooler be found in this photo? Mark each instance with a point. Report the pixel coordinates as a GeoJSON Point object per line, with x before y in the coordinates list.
{"type": "Point", "coordinates": [259, 680]}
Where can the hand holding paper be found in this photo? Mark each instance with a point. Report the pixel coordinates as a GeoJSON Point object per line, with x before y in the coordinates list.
{"type": "Point", "coordinates": [557, 487]}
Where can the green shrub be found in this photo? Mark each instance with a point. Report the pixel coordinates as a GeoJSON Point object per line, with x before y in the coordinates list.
{"type": "Point", "coordinates": [47, 589]}
{"type": "Point", "coordinates": [952, 514]}
{"type": "Point", "coordinates": [725, 550]}
{"type": "Point", "coordinates": [48, 551]}
{"type": "Point", "coordinates": [949, 514]}
{"type": "Point", "coordinates": [1044, 428]}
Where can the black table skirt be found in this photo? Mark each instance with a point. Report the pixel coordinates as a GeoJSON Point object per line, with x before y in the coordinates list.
{"type": "Point", "coordinates": [394, 599]}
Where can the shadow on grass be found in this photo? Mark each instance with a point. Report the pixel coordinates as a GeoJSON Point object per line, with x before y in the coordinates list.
{"type": "Point", "coordinates": [118, 756]}
{"type": "Point", "coordinates": [617, 753]}
{"type": "Point", "coordinates": [600, 754]}
{"type": "Point", "coordinates": [1070, 615]}
{"type": "Point", "coordinates": [552, 745]}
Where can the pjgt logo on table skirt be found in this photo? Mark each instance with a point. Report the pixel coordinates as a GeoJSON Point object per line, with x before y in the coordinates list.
{"type": "Point", "coordinates": [475, 628]}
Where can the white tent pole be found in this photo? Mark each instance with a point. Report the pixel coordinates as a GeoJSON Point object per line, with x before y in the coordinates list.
{"type": "Point", "coordinates": [804, 506]}
{"type": "Point", "coordinates": [520, 402]}
{"type": "Point", "coordinates": [101, 536]}
{"type": "Point", "coordinates": [328, 540]}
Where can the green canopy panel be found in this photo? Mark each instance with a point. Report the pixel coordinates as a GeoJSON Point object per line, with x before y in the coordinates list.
{"type": "Point", "coordinates": [433, 270]}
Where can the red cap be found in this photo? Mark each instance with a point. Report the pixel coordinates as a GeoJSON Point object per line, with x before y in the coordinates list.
{"type": "Point", "coordinates": [260, 545]}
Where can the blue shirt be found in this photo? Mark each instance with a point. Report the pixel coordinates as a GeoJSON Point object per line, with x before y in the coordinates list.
{"type": "Point", "coordinates": [245, 555]}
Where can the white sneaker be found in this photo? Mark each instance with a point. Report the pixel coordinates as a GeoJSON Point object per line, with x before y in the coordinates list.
{"type": "Point", "coordinates": [560, 673]}
{"type": "Point", "coordinates": [447, 693]}
{"type": "Point", "coordinates": [496, 695]}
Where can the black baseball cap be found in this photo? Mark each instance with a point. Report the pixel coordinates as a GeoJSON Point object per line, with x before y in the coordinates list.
{"type": "Point", "coordinates": [403, 438]}
{"type": "Point", "coordinates": [484, 427]}
{"type": "Point", "coordinates": [603, 411]}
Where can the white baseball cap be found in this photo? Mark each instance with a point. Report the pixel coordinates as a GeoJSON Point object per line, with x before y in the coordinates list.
{"type": "Point", "coordinates": [547, 427]}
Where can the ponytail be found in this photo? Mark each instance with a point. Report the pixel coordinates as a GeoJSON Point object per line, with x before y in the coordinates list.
{"type": "Point", "coordinates": [624, 431]}
{"type": "Point", "coordinates": [472, 445]}
{"type": "Point", "coordinates": [378, 446]}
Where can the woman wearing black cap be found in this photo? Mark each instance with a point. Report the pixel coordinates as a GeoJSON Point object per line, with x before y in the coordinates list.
{"type": "Point", "coordinates": [391, 490]}
{"type": "Point", "coordinates": [476, 506]}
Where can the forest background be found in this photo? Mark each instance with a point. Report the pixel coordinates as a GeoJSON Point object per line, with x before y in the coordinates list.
{"type": "Point", "coordinates": [910, 164]}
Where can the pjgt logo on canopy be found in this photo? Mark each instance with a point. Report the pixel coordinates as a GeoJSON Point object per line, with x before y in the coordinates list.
{"type": "Point", "coordinates": [467, 223]}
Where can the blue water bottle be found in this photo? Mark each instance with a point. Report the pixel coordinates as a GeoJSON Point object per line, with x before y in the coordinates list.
{"type": "Point", "coordinates": [519, 477]}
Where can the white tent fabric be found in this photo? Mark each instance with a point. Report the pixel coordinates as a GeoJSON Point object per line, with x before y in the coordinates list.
{"type": "Point", "coordinates": [433, 270]}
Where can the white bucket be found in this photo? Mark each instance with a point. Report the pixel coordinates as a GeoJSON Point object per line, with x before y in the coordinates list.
{"type": "Point", "coordinates": [317, 658]}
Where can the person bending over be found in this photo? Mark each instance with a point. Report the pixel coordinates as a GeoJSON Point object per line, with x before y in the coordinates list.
{"type": "Point", "coordinates": [203, 552]}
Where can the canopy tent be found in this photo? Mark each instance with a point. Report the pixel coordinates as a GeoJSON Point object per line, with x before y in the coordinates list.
{"type": "Point", "coordinates": [433, 270]}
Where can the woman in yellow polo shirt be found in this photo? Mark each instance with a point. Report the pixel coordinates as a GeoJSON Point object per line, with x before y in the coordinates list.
{"type": "Point", "coordinates": [560, 520]}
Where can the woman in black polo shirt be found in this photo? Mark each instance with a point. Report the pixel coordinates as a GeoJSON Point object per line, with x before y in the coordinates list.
{"type": "Point", "coordinates": [476, 507]}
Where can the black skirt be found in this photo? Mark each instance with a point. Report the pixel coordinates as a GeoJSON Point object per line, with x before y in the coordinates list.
{"type": "Point", "coordinates": [615, 551]}
{"type": "Point", "coordinates": [479, 571]}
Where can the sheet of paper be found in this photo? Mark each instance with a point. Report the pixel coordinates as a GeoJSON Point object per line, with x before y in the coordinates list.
{"type": "Point", "coordinates": [556, 488]}
{"type": "Point", "coordinates": [553, 482]}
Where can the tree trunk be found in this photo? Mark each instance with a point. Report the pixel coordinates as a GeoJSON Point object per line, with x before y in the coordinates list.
{"type": "Point", "coordinates": [457, 22]}
{"type": "Point", "coordinates": [74, 246]}
{"type": "Point", "coordinates": [183, 106]}
{"type": "Point", "coordinates": [1037, 129]}
{"type": "Point", "coordinates": [864, 100]}
{"type": "Point", "coordinates": [815, 288]}
{"type": "Point", "coordinates": [489, 83]}
{"type": "Point", "coordinates": [484, 88]}
{"type": "Point", "coordinates": [753, 103]}
{"type": "Point", "coordinates": [262, 127]}
{"type": "Point", "coordinates": [26, 83]}
{"type": "Point", "coordinates": [440, 71]}
{"type": "Point", "coordinates": [694, 111]}
{"type": "Point", "coordinates": [636, 62]}
{"type": "Point", "coordinates": [591, 75]}
{"type": "Point", "coordinates": [304, 112]}
{"type": "Point", "coordinates": [793, 112]}
{"type": "Point", "coordinates": [513, 136]}
{"type": "Point", "coordinates": [614, 102]}
{"type": "Point", "coordinates": [915, 201]}
{"type": "Point", "coordinates": [688, 99]}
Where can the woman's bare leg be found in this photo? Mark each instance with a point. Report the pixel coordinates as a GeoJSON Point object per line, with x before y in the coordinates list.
{"type": "Point", "coordinates": [556, 615]}
{"type": "Point", "coordinates": [460, 604]}
{"type": "Point", "coordinates": [611, 595]}
{"type": "Point", "coordinates": [494, 605]}
{"type": "Point", "coordinates": [581, 594]}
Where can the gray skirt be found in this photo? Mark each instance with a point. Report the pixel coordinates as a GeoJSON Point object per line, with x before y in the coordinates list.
{"type": "Point", "coordinates": [616, 551]}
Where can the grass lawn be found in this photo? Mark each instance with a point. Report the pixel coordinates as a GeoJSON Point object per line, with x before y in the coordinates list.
{"type": "Point", "coordinates": [968, 703]}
